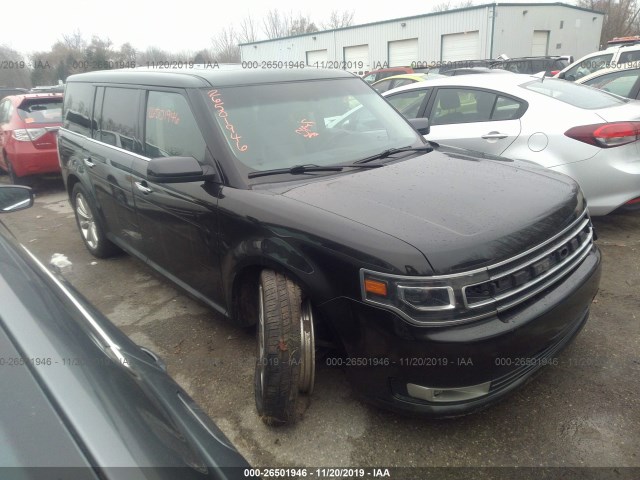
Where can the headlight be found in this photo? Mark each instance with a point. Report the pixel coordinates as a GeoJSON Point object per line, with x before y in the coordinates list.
{"type": "Point", "coordinates": [420, 300]}
{"type": "Point", "coordinates": [427, 298]}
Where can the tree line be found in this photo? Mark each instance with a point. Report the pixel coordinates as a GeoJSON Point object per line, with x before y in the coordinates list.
{"type": "Point", "coordinates": [73, 53]}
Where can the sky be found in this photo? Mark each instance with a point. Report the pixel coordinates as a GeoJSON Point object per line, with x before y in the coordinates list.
{"type": "Point", "coordinates": [179, 25]}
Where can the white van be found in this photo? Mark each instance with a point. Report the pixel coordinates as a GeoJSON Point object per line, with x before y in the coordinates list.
{"type": "Point", "coordinates": [600, 59]}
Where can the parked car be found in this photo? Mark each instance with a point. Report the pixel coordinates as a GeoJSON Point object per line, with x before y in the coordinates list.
{"type": "Point", "coordinates": [458, 64]}
{"type": "Point", "coordinates": [433, 270]}
{"type": "Point", "coordinates": [530, 65]}
{"type": "Point", "coordinates": [400, 80]}
{"type": "Point", "coordinates": [28, 126]}
{"type": "Point", "coordinates": [471, 71]}
{"type": "Point", "coordinates": [588, 136]}
{"type": "Point", "coordinates": [79, 396]}
{"type": "Point", "coordinates": [6, 91]}
{"type": "Point", "coordinates": [379, 74]}
{"type": "Point", "coordinates": [622, 80]}
{"type": "Point", "coordinates": [615, 55]}
{"type": "Point", "coordinates": [48, 89]}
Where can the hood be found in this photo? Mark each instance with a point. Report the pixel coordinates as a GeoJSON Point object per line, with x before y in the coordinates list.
{"type": "Point", "coordinates": [460, 209]}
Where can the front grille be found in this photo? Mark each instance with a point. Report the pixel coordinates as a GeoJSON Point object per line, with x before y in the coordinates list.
{"type": "Point", "coordinates": [517, 279]}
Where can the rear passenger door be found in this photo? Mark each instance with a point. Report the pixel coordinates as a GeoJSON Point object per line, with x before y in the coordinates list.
{"type": "Point", "coordinates": [116, 141]}
{"type": "Point", "coordinates": [178, 220]}
{"type": "Point", "coordinates": [476, 119]}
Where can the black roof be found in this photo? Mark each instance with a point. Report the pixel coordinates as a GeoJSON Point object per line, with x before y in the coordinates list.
{"type": "Point", "coordinates": [205, 77]}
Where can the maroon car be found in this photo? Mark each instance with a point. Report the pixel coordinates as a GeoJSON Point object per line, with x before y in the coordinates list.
{"type": "Point", "coordinates": [28, 125]}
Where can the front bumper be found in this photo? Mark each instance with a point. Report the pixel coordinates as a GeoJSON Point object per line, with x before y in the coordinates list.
{"type": "Point", "coordinates": [460, 368]}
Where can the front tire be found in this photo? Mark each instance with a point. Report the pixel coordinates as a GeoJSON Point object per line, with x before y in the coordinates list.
{"type": "Point", "coordinates": [283, 343]}
{"type": "Point", "coordinates": [90, 229]}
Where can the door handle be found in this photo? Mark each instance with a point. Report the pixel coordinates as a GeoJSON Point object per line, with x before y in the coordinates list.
{"type": "Point", "coordinates": [494, 136]}
{"type": "Point", "coordinates": [89, 163]}
{"type": "Point", "coordinates": [142, 186]}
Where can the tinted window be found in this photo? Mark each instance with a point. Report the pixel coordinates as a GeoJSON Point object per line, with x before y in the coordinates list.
{"type": "Point", "coordinates": [119, 119]}
{"type": "Point", "coordinates": [620, 83]}
{"type": "Point", "coordinates": [408, 103]}
{"type": "Point", "coordinates": [576, 95]}
{"type": "Point", "coordinates": [78, 103]}
{"type": "Point", "coordinates": [402, 82]}
{"type": "Point", "coordinates": [41, 110]}
{"type": "Point", "coordinates": [171, 129]}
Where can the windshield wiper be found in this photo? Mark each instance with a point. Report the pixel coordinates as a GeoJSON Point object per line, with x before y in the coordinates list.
{"type": "Point", "coordinates": [299, 169]}
{"type": "Point", "coordinates": [391, 151]}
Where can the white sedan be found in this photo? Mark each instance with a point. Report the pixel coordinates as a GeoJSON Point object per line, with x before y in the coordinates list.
{"type": "Point", "coordinates": [583, 132]}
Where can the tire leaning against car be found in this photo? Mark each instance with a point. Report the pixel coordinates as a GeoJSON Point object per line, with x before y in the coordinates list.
{"type": "Point", "coordinates": [89, 224]}
{"type": "Point", "coordinates": [279, 359]}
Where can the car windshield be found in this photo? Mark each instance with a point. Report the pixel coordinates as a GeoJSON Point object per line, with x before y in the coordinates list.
{"type": "Point", "coordinates": [41, 110]}
{"type": "Point", "coordinates": [576, 95]}
{"type": "Point", "coordinates": [322, 122]}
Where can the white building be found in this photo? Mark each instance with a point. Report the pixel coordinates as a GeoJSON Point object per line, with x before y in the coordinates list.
{"type": "Point", "coordinates": [477, 32]}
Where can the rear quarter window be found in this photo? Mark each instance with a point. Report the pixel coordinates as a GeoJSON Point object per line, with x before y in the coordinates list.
{"type": "Point", "coordinates": [78, 106]}
{"type": "Point", "coordinates": [576, 95]}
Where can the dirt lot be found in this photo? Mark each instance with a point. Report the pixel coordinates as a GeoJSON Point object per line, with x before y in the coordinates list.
{"type": "Point", "coordinates": [585, 412]}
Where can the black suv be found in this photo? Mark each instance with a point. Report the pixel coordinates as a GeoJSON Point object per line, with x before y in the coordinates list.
{"type": "Point", "coordinates": [532, 65]}
{"type": "Point", "coordinates": [445, 277]}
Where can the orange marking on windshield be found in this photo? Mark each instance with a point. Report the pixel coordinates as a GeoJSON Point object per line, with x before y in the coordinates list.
{"type": "Point", "coordinates": [305, 129]}
{"type": "Point", "coordinates": [219, 105]}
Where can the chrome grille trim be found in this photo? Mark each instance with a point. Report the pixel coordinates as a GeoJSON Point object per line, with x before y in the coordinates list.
{"type": "Point", "coordinates": [567, 236]}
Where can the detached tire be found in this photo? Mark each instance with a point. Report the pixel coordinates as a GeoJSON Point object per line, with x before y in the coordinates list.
{"type": "Point", "coordinates": [279, 348]}
{"type": "Point", "coordinates": [90, 229]}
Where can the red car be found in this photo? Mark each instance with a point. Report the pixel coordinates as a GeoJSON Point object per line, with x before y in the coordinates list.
{"type": "Point", "coordinates": [28, 129]}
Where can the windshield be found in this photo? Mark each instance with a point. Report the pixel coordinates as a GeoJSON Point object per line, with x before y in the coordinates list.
{"type": "Point", "coordinates": [577, 95]}
{"type": "Point", "coordinates": [322, 122]}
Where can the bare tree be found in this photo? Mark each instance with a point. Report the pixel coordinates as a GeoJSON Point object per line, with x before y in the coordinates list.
{"type": "Point", "coordinates": [339, 19]}
{"type": "Point", "coordinates": [225, 46]}
{"type": "Point", "coordinates": [301, 25]}
{"type": "Point", "coordinates": [74, 41]}
{"type": "Point", "coordinates": [276, 24]}
{"type": "Point", "coordinates": [248, 30]}
{"type": "Point", "coordinates": [621, 18]}
{"type": "Point", "coordinates": [444, 6]}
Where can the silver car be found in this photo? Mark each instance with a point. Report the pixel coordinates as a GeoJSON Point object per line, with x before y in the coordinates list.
{"type": "Point", "coordinates": [583, 132]}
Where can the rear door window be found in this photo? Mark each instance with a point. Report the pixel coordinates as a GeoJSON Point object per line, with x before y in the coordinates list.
{"type": "Point", "coordinates": [118, 125]}
{"type": "Point", "coordinates": [462, 106]}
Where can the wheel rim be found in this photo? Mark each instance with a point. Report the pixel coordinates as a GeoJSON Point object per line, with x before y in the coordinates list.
{"type": "Point", "coordinates": [261, 335]}
{"type": "Point", "coordinates": [86, 222]}
{"type": "Point", "coordinates": [308, 349]}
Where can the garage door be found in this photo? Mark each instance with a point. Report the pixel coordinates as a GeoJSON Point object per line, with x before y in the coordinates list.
{"type": "Point", "coordinates": [315, 58]}
{"type": "Point", "coordinates": [461, 46]}
{"type": "Point", "coordinates": [356, 58]}
{"type": "Point", "coordinates": [403, 52]}
{"type": "Point", "coordinates": [540, 43]}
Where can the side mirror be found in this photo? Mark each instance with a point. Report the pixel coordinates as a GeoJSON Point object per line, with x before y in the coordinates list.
{"type": "Point", "coordinates": [14, 198]}
{"type": "Point", "coordinates": [561, 75]}
{"type": "Point", "coordinates": [178, 170]}
{"type": "Point", "coordinates": [421, 125]}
